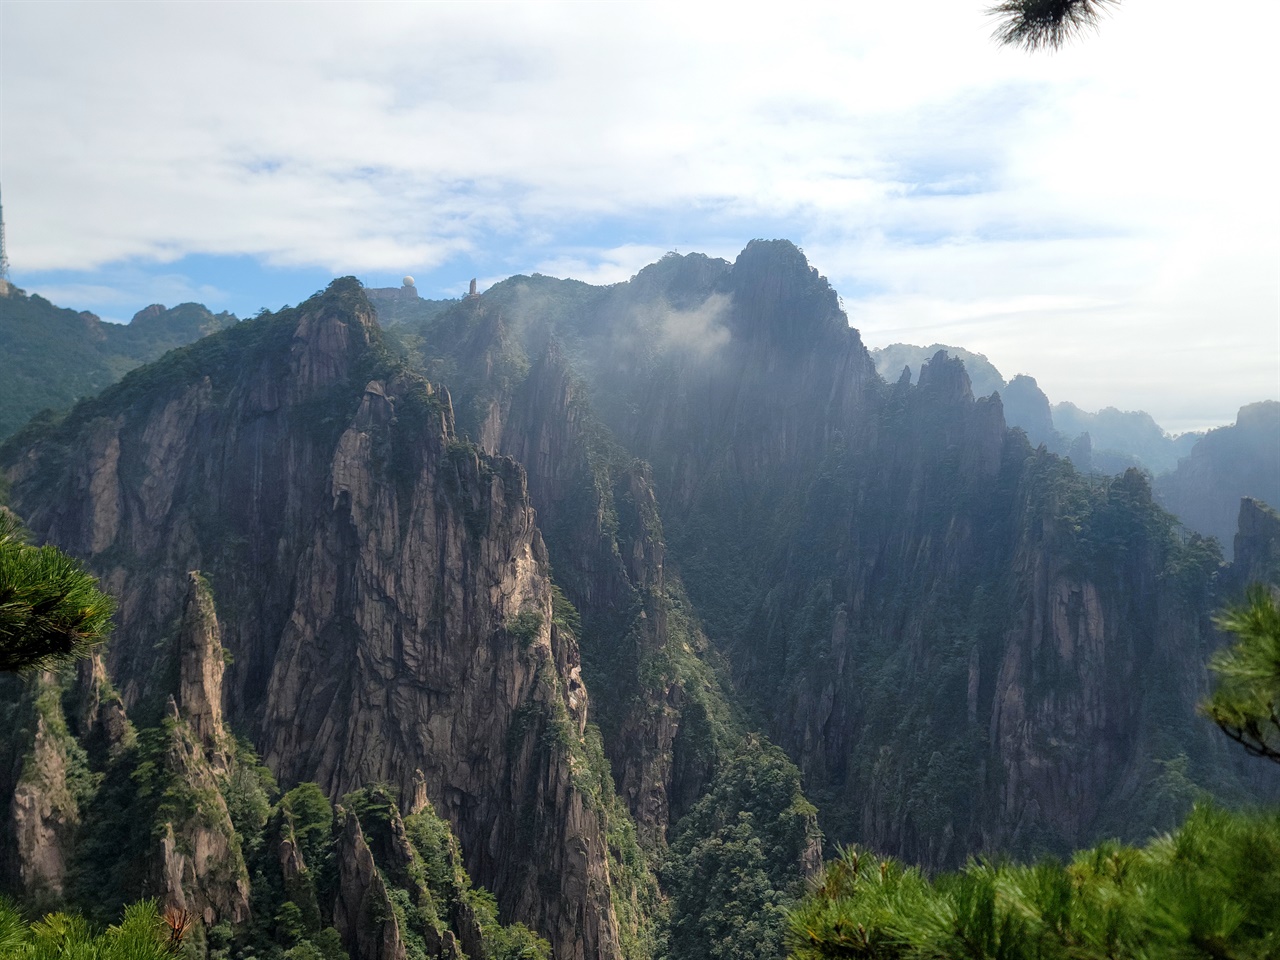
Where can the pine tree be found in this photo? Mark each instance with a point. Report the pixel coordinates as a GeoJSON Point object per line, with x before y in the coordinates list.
{"type": "Point", "coordinates": [51, 609]}
{"type": "Point", "coordinates": [1246, 702]}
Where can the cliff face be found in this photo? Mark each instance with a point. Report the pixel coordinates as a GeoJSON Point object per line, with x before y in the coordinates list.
{"type": "Point", "coordinates": [1257, 544]}
{"type": "Point", "coordinates": [198, 867]}
{"type": "Point", "coordinates": [363, 913]}
{"type": "Point", "coordinates": [200, 669]}
{"type": "Point", "coordinates": [368, 567]}
{"type": "Point", "coordinates": [963, 643]}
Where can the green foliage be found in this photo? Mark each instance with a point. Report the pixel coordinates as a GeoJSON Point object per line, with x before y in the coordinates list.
{"type": "Point", "coordinates": [51, 610]}
{"type": "Point", "coordinates": [524, 627]}
{"type": "Point", "coordinates": [312, 817]}
{"type": "Point", "coordinates": [54, 356]}
{"type": "Point", "coordinates": [247, 790]}
{"type": "Point", "coordinates": [734, 864]}
{"type": "Point", "coordinates": [1246, 701]}
{"type": "Point", "coordinates": [140, 935]}
{"type": "Point", "coordinates": [432, 890]}
{"type": "Point", "coordinates": [1212, 889]}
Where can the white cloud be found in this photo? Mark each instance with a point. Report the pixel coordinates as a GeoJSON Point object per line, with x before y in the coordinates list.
{"type": "Point", "coordinates": [1120, 194]}
{"type": "Point", "coordinates": [601, 266]}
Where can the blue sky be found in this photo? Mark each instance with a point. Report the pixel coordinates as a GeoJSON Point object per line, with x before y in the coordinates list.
{"type": "Point", "coordinates": [1104, 218]}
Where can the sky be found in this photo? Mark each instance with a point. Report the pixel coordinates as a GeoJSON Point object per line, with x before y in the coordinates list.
{"type": "Point", "coordinates": [1105, 218]}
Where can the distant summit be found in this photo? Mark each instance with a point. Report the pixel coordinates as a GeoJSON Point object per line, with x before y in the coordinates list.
{"type": "Point", "coordinates": [54, 357]}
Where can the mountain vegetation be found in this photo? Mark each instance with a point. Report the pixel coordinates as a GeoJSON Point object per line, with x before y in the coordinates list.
{"type": "Point", "coordinates": [54, 357]}
{"type": "Point", "coordinates": [1045, 24]}
{"type": "Point", "coordinates": [51, 610]}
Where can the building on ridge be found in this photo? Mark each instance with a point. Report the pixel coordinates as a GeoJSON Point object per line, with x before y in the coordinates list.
{"type": "Point", "coordinates": [407, 291]}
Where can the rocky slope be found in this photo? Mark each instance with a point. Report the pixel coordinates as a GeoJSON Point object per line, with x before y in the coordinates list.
{"type": "Point", "coordinates": [963, 643]}
{"type": "Point", "coordinates": [182, 813]}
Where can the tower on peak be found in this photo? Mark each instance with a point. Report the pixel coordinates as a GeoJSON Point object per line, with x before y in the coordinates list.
{"type": "Point", "coordinates": [4, 257]}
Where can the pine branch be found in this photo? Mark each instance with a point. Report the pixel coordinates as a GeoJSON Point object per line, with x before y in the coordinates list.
{"type": "Point", "coordinates": [1045, 24]}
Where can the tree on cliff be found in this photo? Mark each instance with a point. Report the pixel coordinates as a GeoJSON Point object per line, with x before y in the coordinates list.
{"type": "Point", "coordinates": [1246, 702]}
{"type": "Point", "coordinates": [51, 609]}
{"type": "Point", "coordinates": [1040, 24]}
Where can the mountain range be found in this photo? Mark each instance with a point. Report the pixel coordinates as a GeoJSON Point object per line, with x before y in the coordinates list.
{"type": "Point", "coordinates": [622, 603]}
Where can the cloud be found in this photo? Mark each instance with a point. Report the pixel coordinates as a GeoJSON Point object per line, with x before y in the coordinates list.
{"type": "Point", "coordinates": [601, 266]}
{"type": "Point", "coordinates": [700, 331]}
{"type": "Point", "coordinates": [941, 183]}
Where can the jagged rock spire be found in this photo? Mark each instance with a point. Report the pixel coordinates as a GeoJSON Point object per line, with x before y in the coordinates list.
{"type": "Point", "coordinates": [361, 897]}
{"type": "Point", "coordinates": [201, 667]}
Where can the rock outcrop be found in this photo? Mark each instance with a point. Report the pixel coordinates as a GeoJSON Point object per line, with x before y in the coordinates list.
{"type": "Point", "coordinates": [199, 865]}
{"type": "Point", "coordinates": [43, 812]}
{"type": "Point", "coordinates": [200, 668]}
{"type": "Point", "coordinates": [102, 722]}
{"type": "Point", "coordinates": [1257, 544]}
{"type": "Point", "coordinates": [1225, 465]}
{"type": "Point", "coordinates": [363, 913]}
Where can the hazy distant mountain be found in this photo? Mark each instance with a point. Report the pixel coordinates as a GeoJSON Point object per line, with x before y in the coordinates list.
{"type": "Point", "coordinates": [1239, 460]}
{"type": "Point", "coordinates": [984, 378]}
{"type": "Point", "coordinates": [1117, 439]}
{"type": "Point", "coordinates": [52, 357]}
{"type": "Point", "coordinates": [1124, 434]}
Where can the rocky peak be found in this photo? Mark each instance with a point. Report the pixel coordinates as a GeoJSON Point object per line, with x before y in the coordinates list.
{"type": "Point", "coordinates": [43, 813]}
{"type": "Point", "coordinates": [102, 718]}
{"type": "Point", "coordinates": [779, 297]}
{"type": "Point", "coordinates": [148, 314]}
{"type": "Point", "coordinates": [201, 665]}
{"type": "Point", "coordinates": [199, 866]}
{"type": "Point", "coordinates": [363, 912]}
{"type": "Point", "coordinates": [1257, 543]}
{"type": "Point", "coordinates": [330, 337]}
{"type": "Point", "coordinates": [947, 377]}
{"type": "Point", "coordinates": [1263, 415]}
{"type": "Point", "coordinates": [1027, 407]}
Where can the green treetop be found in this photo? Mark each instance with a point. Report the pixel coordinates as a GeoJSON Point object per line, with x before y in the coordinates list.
{"type": "Point", "coordinates": [51, 609]}
{"type": "Point", "coordinates": [1246, 702]}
